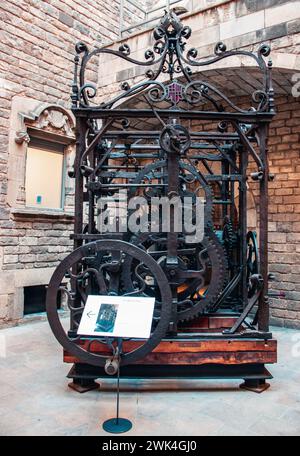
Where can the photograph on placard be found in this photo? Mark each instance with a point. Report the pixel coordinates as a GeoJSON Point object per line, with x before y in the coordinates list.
{"type": "Point", "coordinates": [106, 318]}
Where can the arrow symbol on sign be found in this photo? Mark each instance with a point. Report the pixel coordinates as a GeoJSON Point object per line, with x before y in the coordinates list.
{"type": "Point", "coordinates": [90, 314]}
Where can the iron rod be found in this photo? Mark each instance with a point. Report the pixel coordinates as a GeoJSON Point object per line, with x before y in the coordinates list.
{"type": "Point", "coordinates": [243, 117]}
{"type": "Point", "coordinates": [263, 309]}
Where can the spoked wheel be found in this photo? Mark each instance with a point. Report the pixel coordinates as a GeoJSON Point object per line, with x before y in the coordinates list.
{"type": "Point", "coordinates": [96, 268]}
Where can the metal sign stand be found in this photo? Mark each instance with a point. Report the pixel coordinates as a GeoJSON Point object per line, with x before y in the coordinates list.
{"type": "Point", "coordinates": [117, 425]}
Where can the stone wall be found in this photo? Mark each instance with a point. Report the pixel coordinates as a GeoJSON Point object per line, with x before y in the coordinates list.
{"type": "Point", "coordinates": [33, 244]}
{"type": "Point", "coordinates": [240, 24]}
{"type": "Point", "coordinates": [37, 40]}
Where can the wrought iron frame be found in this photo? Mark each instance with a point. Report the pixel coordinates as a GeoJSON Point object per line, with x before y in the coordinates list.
{"type": "Point", "coordinates": [103, 129]}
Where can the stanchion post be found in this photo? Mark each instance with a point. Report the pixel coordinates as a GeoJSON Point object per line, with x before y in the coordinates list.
{"type": "Point", "coordinates": [117, 425]}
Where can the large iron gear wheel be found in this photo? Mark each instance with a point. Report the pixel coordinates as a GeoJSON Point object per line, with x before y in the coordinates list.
{"type": "Point", "coordinates": [211, 261]}
{"type": "Point", "coordinates": [189, 175]}
{"type": "Point", "coordinates": [197, 305]}
{"type": "Point", "coordinates": [80, 258]}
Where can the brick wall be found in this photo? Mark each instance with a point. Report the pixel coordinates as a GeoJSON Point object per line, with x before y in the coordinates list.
{"type": "Point", "coordinates": [37, 44]}
{"type": "Point", "coordinates": [37, 40]}
{"type": "Point", "coordinates": [37, 49]}
{"type": "Point", "coordinates": [284, 208]}
{"type": "Point", "coordinates": [284, 211]}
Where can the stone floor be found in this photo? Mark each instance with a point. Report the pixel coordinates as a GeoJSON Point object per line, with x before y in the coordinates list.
{"type": "Point", "coordinates": [35, 398]}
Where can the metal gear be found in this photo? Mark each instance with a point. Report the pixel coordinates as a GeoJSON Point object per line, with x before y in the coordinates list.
{"type": "Point", "coordinates": [228, 236]}
{"type": "Point", "coordinates": [154, 245]}
{"type": "Point", "coordinates": [199, 303]}
{"type": "Point", "coordinates": [175, 138]}
{"type": "Point", "coordinates": [195, 294]}
{"type": "Point", "coordinates": [189, 175]}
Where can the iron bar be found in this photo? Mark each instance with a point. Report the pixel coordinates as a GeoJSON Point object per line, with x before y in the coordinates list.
{"type": "Point", "coordinates": [243, 160]}
{"type": "Point", "coordinates": [157, 147]}
{"type": "Point", "coordinates": [263, 308]}
{"type": "Point", "coordinates": [141, 134]}
{"type": "Point", "coordinates": [98, 113]}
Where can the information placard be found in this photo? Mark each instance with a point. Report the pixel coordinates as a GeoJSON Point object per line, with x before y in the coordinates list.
{"type": "Point", "coordinates": [117, 316]}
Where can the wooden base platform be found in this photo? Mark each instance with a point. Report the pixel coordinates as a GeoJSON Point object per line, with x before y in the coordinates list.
{"type": "Point", "coordinates": [200, 350]}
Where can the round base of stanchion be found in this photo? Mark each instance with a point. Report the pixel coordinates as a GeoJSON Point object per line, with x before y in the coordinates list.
{"type": "Point", "coordinates": [117, 425]}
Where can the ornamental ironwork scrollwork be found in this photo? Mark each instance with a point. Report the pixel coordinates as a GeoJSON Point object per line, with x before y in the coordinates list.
{"type": "Point", "coordinates": [169, 56]}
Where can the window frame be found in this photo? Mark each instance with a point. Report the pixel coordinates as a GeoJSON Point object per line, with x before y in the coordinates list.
{"type": "Point", "coordinates": [32, 120]}
{"type": "Point", "coordinates": [51, 146]}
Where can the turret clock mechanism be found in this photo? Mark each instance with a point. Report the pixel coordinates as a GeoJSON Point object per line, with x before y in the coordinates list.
{"type": "Point", "coordinates": [173, 135]}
